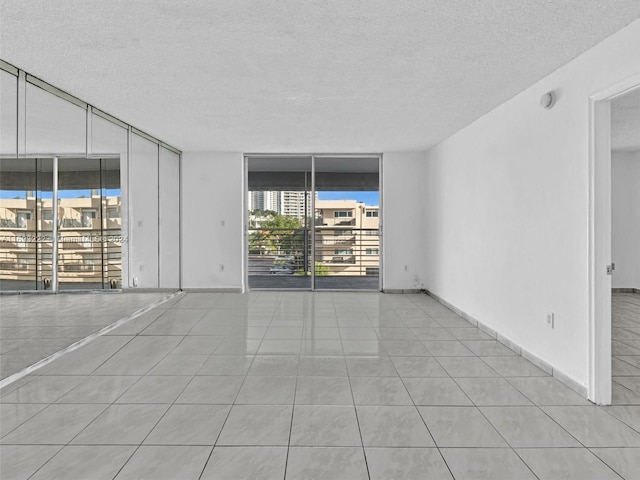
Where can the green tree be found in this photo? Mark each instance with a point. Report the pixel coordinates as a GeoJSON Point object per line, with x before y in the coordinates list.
{"type": "Point", "coordinates": [321, 269]}
{"type": "Point", "coordinates": [277, 235]}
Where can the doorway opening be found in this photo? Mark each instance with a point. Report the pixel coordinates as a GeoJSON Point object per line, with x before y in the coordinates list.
{"type": "Point", "coordinates": [605, 335]}
{"type": "Point", "coordinates": [625, 249]}
{"type": "Point", "coordinates": [313, 222]}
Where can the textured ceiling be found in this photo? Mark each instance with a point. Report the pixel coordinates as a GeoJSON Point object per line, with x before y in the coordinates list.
{"type": "Point", "coordinates": [625, 122]}
{"type": "Point", "coordinates": [292, 75]}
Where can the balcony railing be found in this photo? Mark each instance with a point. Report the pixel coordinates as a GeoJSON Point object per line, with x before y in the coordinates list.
{"type": "Point", "coordinates": [93, 260]}
{"type": "Point", "coordinates": [289, 252]}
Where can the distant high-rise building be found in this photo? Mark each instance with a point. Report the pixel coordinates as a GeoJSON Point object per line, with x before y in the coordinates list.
{"type": "Point", "coordinates": [256, 200]}
{"type": "Point", "coordinates": [290, 203]}
{"type": "Point", "coordinates": [296, 204]}
{"type": "Point", "coordinates": [272, 201]}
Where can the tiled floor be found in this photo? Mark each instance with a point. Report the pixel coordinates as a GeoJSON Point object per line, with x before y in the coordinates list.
{"type": "Point", "coordinates": [306, 386]}
{"type": "Point", "coordinates": [34, 326]}
{"type": "Point", "coordinates": [625, 334]}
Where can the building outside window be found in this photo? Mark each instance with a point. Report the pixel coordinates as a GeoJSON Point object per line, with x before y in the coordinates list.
{"type": "Point", "coordinates": [343, 214]}
{"type": "Point", "coordinates": [87, 217]}
{"type": "Point", "coordinates": [22, 217]}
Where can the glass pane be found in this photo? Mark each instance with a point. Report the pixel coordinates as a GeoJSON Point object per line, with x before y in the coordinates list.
{"type": "Point", "coordinates": [44, 216]}
{"type": "Point", "coordinates": [53, 125]}
{"type": "Point", "coordinates": [8, 115]}
{"type": "Point", "coordinates": [80, 224]}
{"type": "Point", "coordinates": [143, 167]}
{"type": "Point", "coordinates": [347, 223]}
{"type": "Point", "coordinates": [18, 232]}
{"type": "Point", "coordinates": [109, 142]}
{"type": "Point", "coordinates": [279, 203]}
{"type": "Point", "coordinates": [107, 138]}
{"type": "Point", "coordinates": [112, 238]}
{"type": "Point", "coordinates": [169, 207]}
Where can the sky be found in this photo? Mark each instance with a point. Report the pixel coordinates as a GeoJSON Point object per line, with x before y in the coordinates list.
{"type": "Point", "coordinates": [371, 199]}
{"type": "Point", "coordinates": [61, 193]}
{"type": "Point", "coordinates": [368, 198]}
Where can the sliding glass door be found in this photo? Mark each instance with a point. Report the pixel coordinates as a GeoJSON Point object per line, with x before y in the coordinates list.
{"type": "Point", "coordinates": [278, 222]}
{"type": "Point", "coordinates": [75, 245]}
{"type": "Point", "coordinates": [347, 227]}
{"type": "Point", "coordinates": [313, 222]}
{"type": "Point", "coordinates": [26, 238]}
{"type": "Point", "coordinates": [89, 235]}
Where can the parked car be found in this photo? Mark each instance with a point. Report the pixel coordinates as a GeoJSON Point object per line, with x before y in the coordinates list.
{"type": "Point", "coordinates": [283, 265]}
{"type": "Point", "coordinates": [282, 269]}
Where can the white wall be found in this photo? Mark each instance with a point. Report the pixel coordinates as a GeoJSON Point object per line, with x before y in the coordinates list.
{"type": "Point", "coordinates": [213, 192]}
{"type": "Point", "coordinates": [508, 210]}
{"type": "Point", "coordinates": [625, 220]}
{"type": "Point", "coordinates": [212, 219]}
{"type": "Point", "coordinates": [169, 221]}
{"type": "Point", "coordinates": [403, 220]}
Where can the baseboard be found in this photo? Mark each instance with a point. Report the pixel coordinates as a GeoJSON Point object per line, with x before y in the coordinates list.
{"type": "Point", "coordinates": [625, 290]}
{"type": "Point", "coordinates": [111, 291]}
{"type": "Point", "coordinates": [27, 292]}
{"type": "Point", "coordinates": [538, 362]}
{"type": "Point", "coordinates": [395, 291]}
{"type": "Point", "coordinates": [213, 290]}
{"type": "Point", "coordinates": [149, 290]}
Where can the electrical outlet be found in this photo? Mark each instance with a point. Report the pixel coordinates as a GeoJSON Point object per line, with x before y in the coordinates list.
{"type": "Point", "coordinates": [135, 281]}
{"type": "Point", "coordinates": [551, 320]}
{"type": "Point", "coordinates": [222, 267]}
{"type": "Point", "coordinates": [406, 268]}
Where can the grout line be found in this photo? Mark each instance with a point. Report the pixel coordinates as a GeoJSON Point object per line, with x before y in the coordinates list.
{"type": "Point", "coordinates": [523, 461]}
{"type": "Point", "coordinates": [233, 403]}
{"type": "Point", "coordinates": [85, 341]}
{"type": "Point", "coordinates": [293, 411]}
{"type": "Point", "coordinates": [114, 402]}
{"type": "Point", "coordinates": [418, 410]}
{"type": "Point", "coordinates": [355, 409]}
{"type": "Point", "coordinates": [590, 450]}
{"type": "Point", "coordinates": [62, 447]}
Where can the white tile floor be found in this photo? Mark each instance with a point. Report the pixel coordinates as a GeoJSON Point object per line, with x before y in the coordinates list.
{"type": "Point", "coordinates": [625, 334]}
{"type": "Point", "coordinates": [34, 326]}
{"type": "Point", "coordinates": [274, 385]}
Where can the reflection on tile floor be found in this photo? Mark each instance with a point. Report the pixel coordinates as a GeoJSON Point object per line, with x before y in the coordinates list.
{"type": "Point", "coordinates": [625, 336]}
{"type": "Point", "coordinates": [34, 326]}
{"type": "Point", "coordinates": [274, 385]}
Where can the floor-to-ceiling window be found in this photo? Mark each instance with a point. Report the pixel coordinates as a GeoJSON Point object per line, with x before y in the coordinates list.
{"type": "Point", "coordinates": [76, 246]}
{"type": "Point", "coordinates": [313, 222]}
{"type": "Point", "coordinates": [279, 219]}
{"type": "Point", "coordinates": [89, 224]}
{"type": "Point", "coordinates": [347, 223]}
